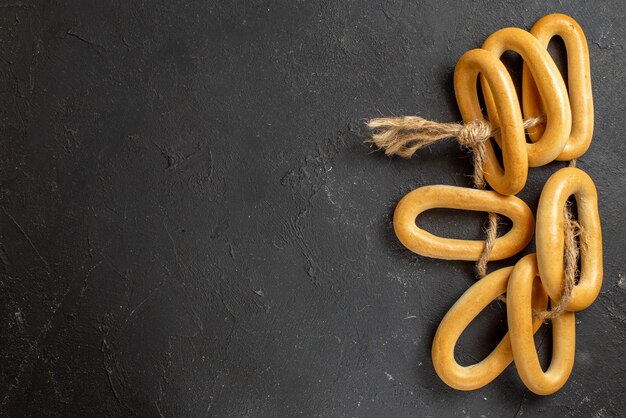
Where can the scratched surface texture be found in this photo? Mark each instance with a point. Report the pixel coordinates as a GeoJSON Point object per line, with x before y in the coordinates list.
{"type": "Point", "coordinates": [192, 226]}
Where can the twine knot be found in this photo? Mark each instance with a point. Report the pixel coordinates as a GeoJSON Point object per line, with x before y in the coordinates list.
{"type": "Point", "coordinates": [404, 135]}
{"type": "Point", "coordinates": [474, 133]}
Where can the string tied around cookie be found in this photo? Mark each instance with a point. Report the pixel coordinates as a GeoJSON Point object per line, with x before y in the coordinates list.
{"type": "Point", "coordinates": [403, 136]}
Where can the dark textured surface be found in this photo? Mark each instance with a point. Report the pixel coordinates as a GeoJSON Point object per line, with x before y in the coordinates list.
{"type": "Point", "coordinates": [191, 226]}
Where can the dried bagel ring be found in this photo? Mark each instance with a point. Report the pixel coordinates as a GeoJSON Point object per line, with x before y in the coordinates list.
{"type": "Point", "coordinates": [458, 318]}
{"type": "Point", "coordinates": [441, 196]}
{"type": "Point", "coordinates": [578, 81]}
{"type": "Point", "coordinates": [551, 88]}
{"type": "Point", "coordinates": [550, 237]}
{"type": "Point", "coordinates": [520, 320]}
{"type": "Point", "coordinates": [512, 178]}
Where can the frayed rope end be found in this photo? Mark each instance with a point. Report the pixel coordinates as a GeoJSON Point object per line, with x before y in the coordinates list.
{"type": "Point", "coordinates": [404, 135]}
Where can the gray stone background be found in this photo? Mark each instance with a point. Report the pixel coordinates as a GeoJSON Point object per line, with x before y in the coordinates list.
{"type": "Point", "coordinates": [192, 226]}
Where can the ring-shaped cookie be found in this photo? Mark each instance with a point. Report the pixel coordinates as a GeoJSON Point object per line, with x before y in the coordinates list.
{"type": "Point", "coordinates": [578, 83]}
{"type": "Point", "coordinates": [442, 196]}
{"type": "Point", "coordinates": [458, 318]}
{"type": "Point", "coordinates": [512, 178]}
{"type": "Point", "coordinates": [550, 236]}
{"type": "Point", "coordinates": [520, 320]}
{"type": "Point", "coordinates": [551, 88]}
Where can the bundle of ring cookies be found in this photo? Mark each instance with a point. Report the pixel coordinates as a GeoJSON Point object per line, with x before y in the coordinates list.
{"type": "Point", "coordinates": [541, 287]}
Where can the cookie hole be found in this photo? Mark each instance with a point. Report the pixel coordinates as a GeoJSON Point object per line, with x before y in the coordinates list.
{"type": "Point", "coordinates": [459, 224]}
